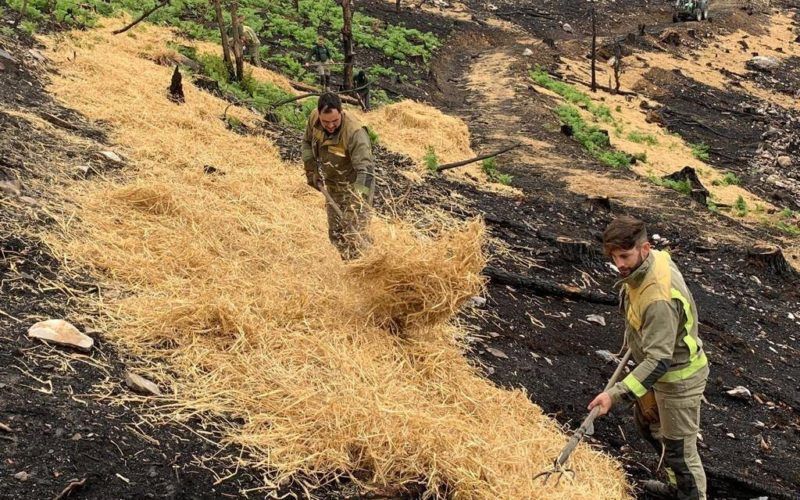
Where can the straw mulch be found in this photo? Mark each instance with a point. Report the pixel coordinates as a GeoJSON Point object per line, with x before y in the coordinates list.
{"type": "Point", "coordinates": [231, 287]}
{"type": "Point", "coordinates": [410, 128]}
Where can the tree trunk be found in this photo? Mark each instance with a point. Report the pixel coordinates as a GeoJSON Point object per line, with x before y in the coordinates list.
{"type": "Point", "coordinates": [699, 192]}
{"type": "Point", "coordinates": [176, 87]}
{"type": "Point", "coordinates": [770, 259]}
{"type": "Point", "coordinates": [397, 6]}
{"type": "Point", "coordinates": [223, 33]}
{"type": "Point", "coordinates": [296, 4]}
{"type": "Point", "coordinates": [237, 40]}
{"type": "Point", "coordinates": [594, 49]}
{"type": "Point", "coordinates": [22, 12]}
{"type": "Point", "coordinates": [548, 288]}
{"type": "Point", "coordinates": [347, 43]}
{"type": "Point", "coordinates": [617, 66]}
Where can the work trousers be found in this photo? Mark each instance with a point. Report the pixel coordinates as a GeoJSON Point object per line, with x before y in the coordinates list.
{"type": "Point", "coordinates": [676, 435]}
{"type": "Point", "coordinates": [348, 233]}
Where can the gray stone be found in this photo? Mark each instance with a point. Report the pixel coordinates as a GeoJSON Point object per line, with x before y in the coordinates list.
{"type": "Point", "coordinates": [110, 156]}
{"type": "Point", "coordinates": [739, 392]}
{"type": "Point", "coordinates": [476, 301]}
{"type": "Point", "coordinates": [596, 319]}
{"type": "Point", "coordinates": [784, 161]}
{"type": "Point", "coordinates": [12, 188]}
{"type": "Point", "coordinates": [607, 356]}
{"type": "Point", "coordinates": [566, 27]}
{"type": "Point", "coordinates": [141, 384]}
{"type": "Point", "coordinates": [60, 332]}
{"type": "Point", "coordinates": [7, 56]}
{"type": "Point", "coordinates": [763, 63]}
{"type": "Point", "coordinates": [527, 52]}
{"type": "Point", "coordinates": [497, 353]}
{"type": "Point", "coordinates": [22, 476]}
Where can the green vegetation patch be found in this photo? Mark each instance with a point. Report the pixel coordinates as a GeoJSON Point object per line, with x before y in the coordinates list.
{"type": "Point", "coordinates": [641, 138]}
{"type": "Point", "coordinates": [700, 151]}
{"type": "Point", "coordinates": [683, 187]}
{"type": "Point", "coordinates": [729, 179]}
{"type": "Point", "coordinates": [592, 138]}
{"type": "Point", "coordinates": [489, 167]}
{"type": "Point", "coordinates": [430, 159]}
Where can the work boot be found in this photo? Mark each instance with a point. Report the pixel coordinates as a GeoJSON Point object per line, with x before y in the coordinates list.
{"type": "Point", "coordinates": [658, 489]}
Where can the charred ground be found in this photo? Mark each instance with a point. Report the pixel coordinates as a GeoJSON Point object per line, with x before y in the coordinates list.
{"type": "Point", "coordinates": [548, 346]}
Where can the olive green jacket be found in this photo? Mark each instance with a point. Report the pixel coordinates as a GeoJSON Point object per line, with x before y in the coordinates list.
{"type": "Point", "coordinates": [345, 157]}
{"type": "Point", "coordinates": [661, 329]}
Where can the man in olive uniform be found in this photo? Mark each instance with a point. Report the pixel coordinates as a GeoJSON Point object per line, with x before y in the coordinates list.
{"type": "Point", "coordinates": [337, 155]}
{"type": "Point", "coordinates": [668, 382]}
{"type": "Point", "coordinates": [251, 45]}
{"type": "Point", "coordinates": [321, 56]}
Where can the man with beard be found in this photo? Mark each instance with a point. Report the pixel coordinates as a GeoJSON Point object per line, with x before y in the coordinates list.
{"type": "Point", "coordinates": [337, 155]}
{"type": "Point", "coordinates": [671, 372]}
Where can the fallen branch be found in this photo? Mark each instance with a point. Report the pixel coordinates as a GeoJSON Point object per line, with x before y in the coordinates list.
{"type": "Point", "coordinates": [547, 287]}
{"type": "Point", "coordinates": [72, 486]}
{"type": "Point", "coordinates": [141, 18]}
{"type": "Point", "coordinates": [349, 100]}
{"type": "Point", "coordinates": [58, 122]}
{"type": "Point", "coordinates": [448, 166]}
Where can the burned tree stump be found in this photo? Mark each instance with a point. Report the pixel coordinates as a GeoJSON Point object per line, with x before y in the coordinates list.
{"type": "Point", "coordinates": [575, 250]}
{"type": "Point", "coordinates": [770, 259]}
{"type": "Point", "coordinates": [699, 192]}
{"type": "Point", "coordinates": [571, 249]}
{"type": "Point", "coordinates": [176, 87]}
{"type": "Point", "coordinates": [602, 203]}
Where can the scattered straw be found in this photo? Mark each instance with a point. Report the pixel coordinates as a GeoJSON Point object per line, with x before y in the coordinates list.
{"type": "Point", "coordinates": [234, 291]}
{"type": "Point", "coordinates": [410, 128]}
{"type": "Point", "coordinates": [411, 283]}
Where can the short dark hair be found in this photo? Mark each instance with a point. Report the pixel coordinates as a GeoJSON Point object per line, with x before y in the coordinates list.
{"type": "Point", "coordinates": [329, 101]}
{"type": "Point", "coordinates": [624, 233]}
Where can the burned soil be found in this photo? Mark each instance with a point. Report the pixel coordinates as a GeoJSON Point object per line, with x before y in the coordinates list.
{"type": "Point", "coordinates": [522, 336]}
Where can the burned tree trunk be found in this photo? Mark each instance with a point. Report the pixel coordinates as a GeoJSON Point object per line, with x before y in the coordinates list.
{"type": "Point", "coordinates": [223, 33]}
{"type": "Point", "coordinates": [699, 192]}
{"type": "Point", "coordinates": [236, 26]}
{"type": "Point", "coordinates": [617, 66]}
{"type": "Point", "coordinates": [594, 49]}
{"type": "Point", "coordinates": [571, 249]}
{"type": "Point", "coordinates": [602, 203]}
{"type": "Point", "coordinates": [347, 43]}
{"type": "Point", "coordinates": [397, 6]}
{"type": "Point", "coordinates": [770, 259]}
{"type": "Point", "coordinates": [176, 87]}
{"type": "Point", "coordinates": [576, 250]}
{"type": "Point", "coordinates": [547, 287]}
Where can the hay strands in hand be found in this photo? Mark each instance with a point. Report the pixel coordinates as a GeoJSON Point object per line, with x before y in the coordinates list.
{"type": "Point", "coordinates": [586, 429]}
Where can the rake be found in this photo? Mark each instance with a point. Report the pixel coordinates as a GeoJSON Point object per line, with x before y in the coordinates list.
{"type": "Point", "coordinates": [586, 429]}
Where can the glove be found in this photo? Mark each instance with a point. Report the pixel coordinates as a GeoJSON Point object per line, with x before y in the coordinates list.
{"type": "Point", "coordinates": [314, 179]}
{"type": "Point", "coordinates": [648, 407]}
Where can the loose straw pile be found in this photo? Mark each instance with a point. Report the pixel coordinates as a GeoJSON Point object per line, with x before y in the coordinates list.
{"type": "Point", "coordinates": [232, 287]}
{"type": "Point", "coordinates": [410, 128]}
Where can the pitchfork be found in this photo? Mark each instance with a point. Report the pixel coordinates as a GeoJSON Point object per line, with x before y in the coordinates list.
{"type": "Point", "coordinates": [586, 429]}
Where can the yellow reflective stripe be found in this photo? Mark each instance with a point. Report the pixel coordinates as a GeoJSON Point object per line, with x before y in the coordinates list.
{"type": "Point", "coordinates": [634, 385]}
{"type": "Point", "coordinates": [690, 342]}
{"type": "Point", "coordinates": [685, 372]}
